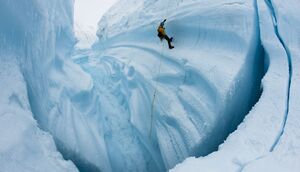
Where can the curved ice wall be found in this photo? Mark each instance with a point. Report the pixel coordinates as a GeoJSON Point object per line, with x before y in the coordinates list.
{"type": "Point", "coordinates": [40, 35]}
{"type": "Point", "coordinates": [35, 38]}
{"type": "Point", "coordinates": [138, 106]}
{"type": "Point", "coordinates": [152, 107]}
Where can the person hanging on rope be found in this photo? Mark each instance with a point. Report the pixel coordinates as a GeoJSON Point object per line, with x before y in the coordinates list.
{"type": "Point", "coordinates": [162, 34]}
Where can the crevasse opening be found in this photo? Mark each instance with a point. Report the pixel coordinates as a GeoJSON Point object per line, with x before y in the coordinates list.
{"type": "Point", "coordinates": [97, 103]}
{"type": "Point", "coordinates": [193, 111]}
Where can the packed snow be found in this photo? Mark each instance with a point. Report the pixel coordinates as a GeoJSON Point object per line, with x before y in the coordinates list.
{"type": "Point", "coordinates": [224, 99]}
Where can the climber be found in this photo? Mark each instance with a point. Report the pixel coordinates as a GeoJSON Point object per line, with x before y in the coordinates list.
{"type": "Point", "coordinates": [162, 34]}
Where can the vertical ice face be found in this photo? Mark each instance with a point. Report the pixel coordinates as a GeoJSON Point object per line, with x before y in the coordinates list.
{"type": "Point", "coordinates": [35, 37]}
{"type": "Point", "coordinates": [23, 146]}
{"type": "Point", "coordinates": [268, 139]}
{"type": "Point", "coordinates": [136, 105]}
{"type": "Point", "coordinates": [151, 107]}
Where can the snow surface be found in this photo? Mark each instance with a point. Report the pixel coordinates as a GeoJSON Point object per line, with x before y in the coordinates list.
{"type": "Point", "coordinates": [131, 104]}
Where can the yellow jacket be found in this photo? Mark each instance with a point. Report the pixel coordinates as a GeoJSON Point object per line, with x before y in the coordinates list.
{"type": "Point", "coordinates": [161, 30]}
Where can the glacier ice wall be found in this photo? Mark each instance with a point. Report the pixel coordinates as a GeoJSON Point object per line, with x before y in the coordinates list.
{"type": "Point", "coordinates": [23, 146]}
{"type": "Point", "coordinates": [149, 107]}
{"type": "Point", "coordinates": [268, 139]}
{"type": "Point", "coordinates": [134, 105]}
{"type": "Point", "coordinates": [34, 35]}
{"type": "Point", "coordinates": [285, 152]}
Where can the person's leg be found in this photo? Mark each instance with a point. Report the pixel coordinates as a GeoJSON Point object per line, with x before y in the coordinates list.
{"type": "Point", "coordinates": [167, 38]}
{"type": "Point", "coordinates": [169, 41]}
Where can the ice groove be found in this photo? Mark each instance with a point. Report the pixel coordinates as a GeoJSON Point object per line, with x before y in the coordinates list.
{"type": "Point", "coordinates": [272, 10]}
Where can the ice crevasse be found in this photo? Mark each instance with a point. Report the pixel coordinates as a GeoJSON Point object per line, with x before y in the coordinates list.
{"type": "Point", "coordinates": [268, 138]}
{"type": "Point", "coordinates": [31, 42]}
{"type": "Point", "coordinates": [172, 104]}
{"type": "Point", "coordinates": [130, 103]}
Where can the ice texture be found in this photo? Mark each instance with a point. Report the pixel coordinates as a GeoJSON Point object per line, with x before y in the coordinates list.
{"type": "Point", "coordinates": [34, 35]}
{"type": "Point", "coordinates": [130, 103]}
{"type": "Point", "coordinates": [268, 139]}
{"type": "Point", "coordinates": [152, 107]}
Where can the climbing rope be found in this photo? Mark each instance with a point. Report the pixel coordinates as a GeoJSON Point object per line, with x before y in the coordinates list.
{"type": "Point", "coordinates": [155, 92]}
{"type": "Point", "coordinates": [157, 80]}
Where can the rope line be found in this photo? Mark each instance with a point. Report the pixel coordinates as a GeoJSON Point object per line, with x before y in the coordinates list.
{"type": "Point", "coordinates": [155, 93]}
{"type": "Point", "coordinates": [167, 15]}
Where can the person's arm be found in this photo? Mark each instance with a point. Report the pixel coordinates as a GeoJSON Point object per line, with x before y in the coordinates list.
{"type": "Point", "coordinates": [163, 23]}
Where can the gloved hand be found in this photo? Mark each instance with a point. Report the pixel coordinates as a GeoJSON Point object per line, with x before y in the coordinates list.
{"type": "Point", "coordinates": [165, 20]}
